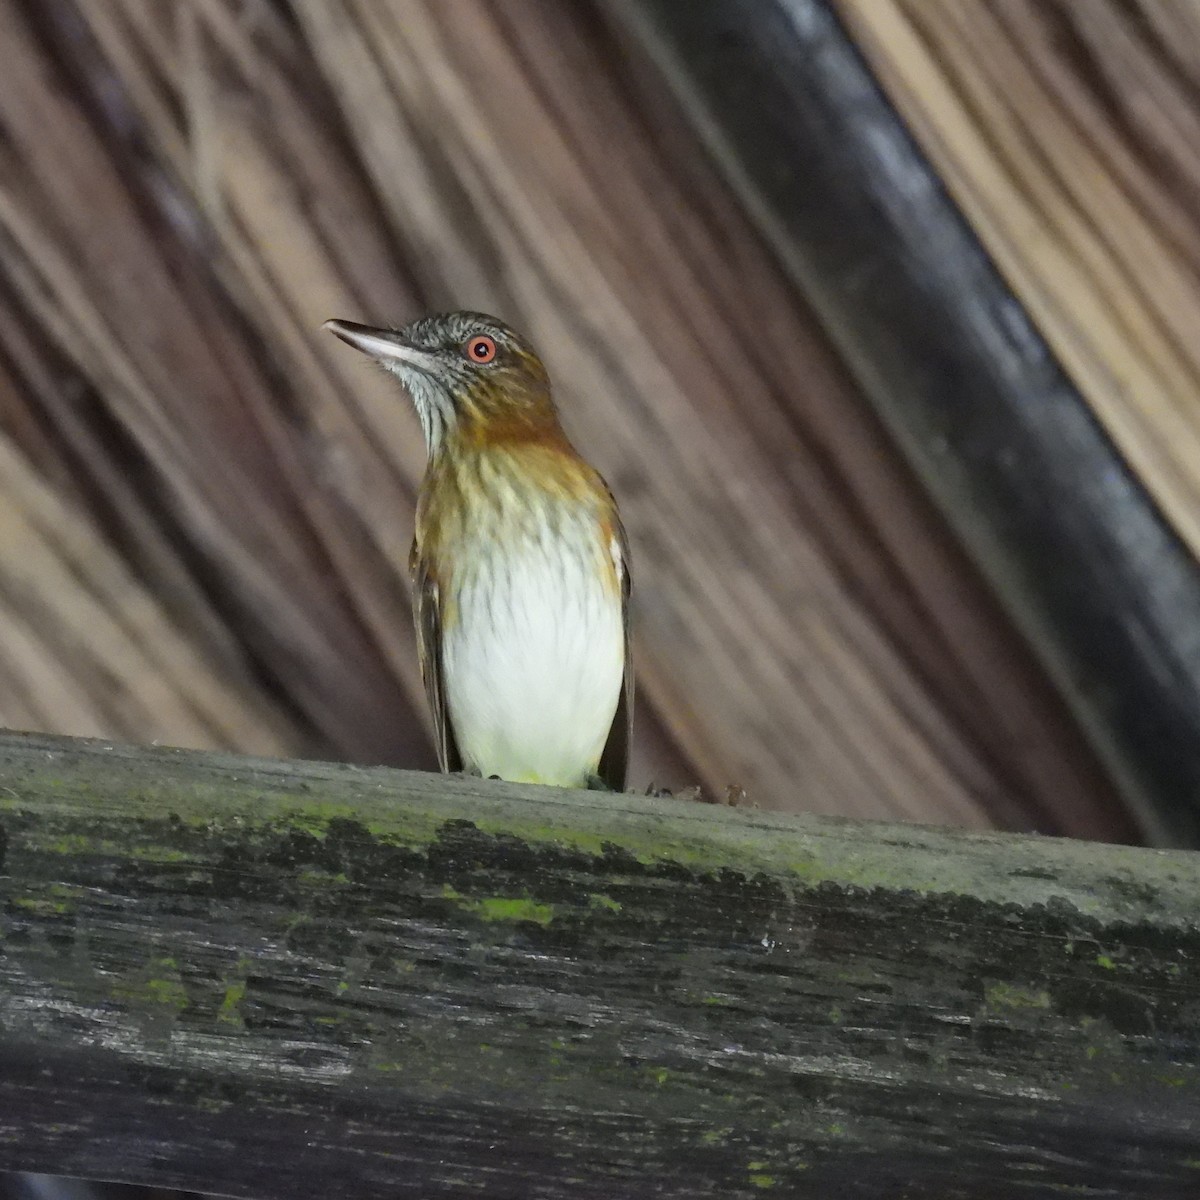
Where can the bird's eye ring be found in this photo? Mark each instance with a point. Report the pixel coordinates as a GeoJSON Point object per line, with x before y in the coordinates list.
{"type": "Point", "coordinates": [480, 348]}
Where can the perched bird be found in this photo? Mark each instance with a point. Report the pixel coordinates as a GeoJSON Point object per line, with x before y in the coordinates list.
{"type": "Point", "coordinates": [520, 564]}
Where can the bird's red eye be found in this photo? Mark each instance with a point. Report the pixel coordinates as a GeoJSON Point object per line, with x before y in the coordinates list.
{"type": "Point", "coordinates": [480, 349]}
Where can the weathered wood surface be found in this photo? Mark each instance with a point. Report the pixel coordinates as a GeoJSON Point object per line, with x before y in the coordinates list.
{"type": "Point", "coordinates": [187, 190]}
{"type": "Point", "coordinates": [1072, 542]}
{"type": "Point", "coordinates": [286, 979]}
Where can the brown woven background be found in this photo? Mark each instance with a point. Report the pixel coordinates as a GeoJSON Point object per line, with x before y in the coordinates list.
{"type": "Point", "coordinates": [207, 504]}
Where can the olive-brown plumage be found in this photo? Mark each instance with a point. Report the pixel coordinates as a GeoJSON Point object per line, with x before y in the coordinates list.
{"type": "Point", "coordinates": [520, 564]}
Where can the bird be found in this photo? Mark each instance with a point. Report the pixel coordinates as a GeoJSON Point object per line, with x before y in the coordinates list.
{"type": "Point", "coordinates": [520, 564]}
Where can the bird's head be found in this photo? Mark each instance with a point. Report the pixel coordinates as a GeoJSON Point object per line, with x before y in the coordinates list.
{"type": "Point", "coordinates": [470, 376]}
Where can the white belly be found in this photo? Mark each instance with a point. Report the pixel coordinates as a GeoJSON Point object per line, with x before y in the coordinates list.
{"type": "Point", "coordinates": [532, 664]}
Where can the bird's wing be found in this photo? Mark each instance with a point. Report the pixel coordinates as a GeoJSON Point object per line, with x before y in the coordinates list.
{"type": "Point", "coordinates": [614, 759]}
{"type": "Point", "coordinates": [427, 616]}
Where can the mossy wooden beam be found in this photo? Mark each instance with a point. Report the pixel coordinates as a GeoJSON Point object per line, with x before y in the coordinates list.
{"type": "Point", "coordinates": [291, 979]}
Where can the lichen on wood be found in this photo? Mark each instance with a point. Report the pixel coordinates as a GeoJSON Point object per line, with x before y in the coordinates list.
{"type": "Point", "coordinates": [433, 986]}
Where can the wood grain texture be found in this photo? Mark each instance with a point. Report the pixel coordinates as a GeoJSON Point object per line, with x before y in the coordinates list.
{"type": "Point", "coordinates": [420, 985]}
{"type": "Point", "coordinates": [190, 189]}
{"type": "Point", "coordinates": [1070, 135]}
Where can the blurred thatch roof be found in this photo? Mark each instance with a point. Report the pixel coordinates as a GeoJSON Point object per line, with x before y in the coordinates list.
{"type": "Point", "coordinates": [207, 504]}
